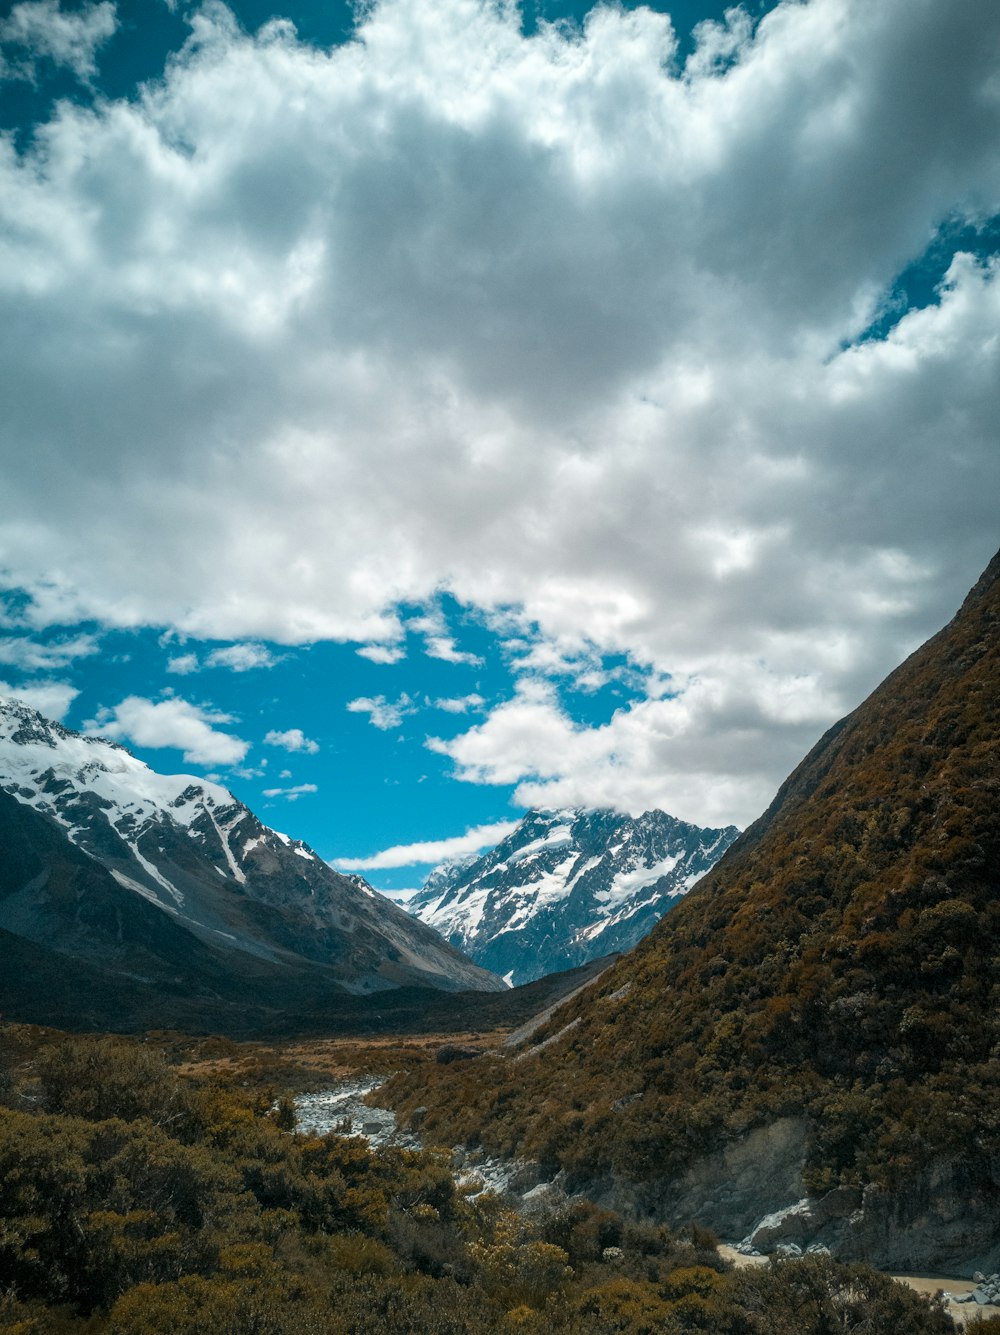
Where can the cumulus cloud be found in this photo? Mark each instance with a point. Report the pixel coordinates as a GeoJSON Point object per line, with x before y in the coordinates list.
{"type": "Point", "coordinates": [706, 753]}
{"type": "Point", "coordinates": [383, 714]}
{"type": "Point", "coordinates": [241, 657]}
{"type": "Point", "coordinates": [183, 664]}
{"type": "Point", "coordinates": [546, 322]}
{"type": "Point", "coordinates": [438, 641]}
{"type": "Point", "coordinates": [173, 722]}
{"type": "Point", "coordinates": [38, 29]}
{"type": "Point", "coordinates": [51, 698]}
{"type": "Point", "coordinates": [36, 656]}
{"type": "Point", "coordinates": [382, 653]}
{"type": "Point", "coordinates": [292, 740]}
{"type": "Point", "coordinates": [431, 851]}
{"type": "Point", "coordinates": [291, 794]}
{"type": "Point", "coordinates": [460, 704]}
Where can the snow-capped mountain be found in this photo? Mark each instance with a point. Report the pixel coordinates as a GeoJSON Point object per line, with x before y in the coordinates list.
{"type": "Point", "coordinates": [566, 887]}
{"type": "Point", "coordinates": [168, 878]}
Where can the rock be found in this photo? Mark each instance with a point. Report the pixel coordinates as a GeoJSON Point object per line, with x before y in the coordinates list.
{"type": "Point", "coordinates": [525, 1176]}
{"type": "Point", "coordinates": [543, 1199]}
{"type": "Point", "coordinates": [455, 1052]}
{"type": "Point", "coordinates": [789, 1250]}
{"type": "Point", "coordinates": [800, 1223]}
{"type": "Point", "coordinates": [978, 1277]}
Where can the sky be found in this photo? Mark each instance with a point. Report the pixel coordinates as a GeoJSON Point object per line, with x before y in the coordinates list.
{"type": "Point", "coordinates": [413, 415]}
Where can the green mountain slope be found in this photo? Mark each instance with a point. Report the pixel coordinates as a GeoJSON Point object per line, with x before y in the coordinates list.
{"type": "Point", "coordinates": [825, 1004]}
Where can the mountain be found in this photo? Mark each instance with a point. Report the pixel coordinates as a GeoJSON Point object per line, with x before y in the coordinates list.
{"type": "Point", "coordinates": [166, 894]}
{"type": "Point", "coordinates": [813, 1034]}
{"type": "Point", "coordinates": [566, 887]}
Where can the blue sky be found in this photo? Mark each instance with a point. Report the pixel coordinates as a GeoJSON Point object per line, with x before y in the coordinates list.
{"type": "Point", "coordinates": [415, 419]}
{"type": "Point", "coordinates": [317, 739]}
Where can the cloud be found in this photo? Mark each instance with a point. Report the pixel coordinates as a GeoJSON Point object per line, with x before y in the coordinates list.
{"type": "Point", "coordinates": [460, 704]}
{"type": "Point", "coordinates": [241, 657]}
{"type": "Point", "coordinates": [38, 29]}
{"type": "Point", "coordinates": [174, 722]}
{"type": "Point", "coordinates": [706, 753]}
{"type": "Point", "coordinates": [34, 656]}
{"type": "Point", "coordinates": [548, 323]}
{"type": "Point", "coordinates": [431, 851]}
{"type": "Point", "coordinates": [183, 664]}
{"type": "Point", "coordinates": [382, 653]}
{"type": "Point", "coordinates": [292, 740]}
{"type": "Point", "coordinates": [384, 714]}
{"type": "Point", "coordinates": [438, 642]}
{"type": "Point", "coordinates": [566, 657]}
{"type": "Point", "coordinates": [51, 698]}
{"type": "Point", "coordinates": [445, 648]}
{"type": "Point", "coordinates": [291, 794]}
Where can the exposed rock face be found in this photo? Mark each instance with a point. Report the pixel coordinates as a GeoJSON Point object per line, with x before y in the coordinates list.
{"type": "Point", "coordinates": [167, 882]}
{"type": "Point", "coordinates": [937, 1216]}
{"type": "Point", "coordinates": [567, 887]}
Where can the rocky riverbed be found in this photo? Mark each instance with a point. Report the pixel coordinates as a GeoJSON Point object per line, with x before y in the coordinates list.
{"type": "Point", "coordinates": [341, 1109]}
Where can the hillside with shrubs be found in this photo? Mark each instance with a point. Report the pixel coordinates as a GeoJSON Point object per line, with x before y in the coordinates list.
{"type": "Point", "coordinates": [139, 1200]}
{"type": "Point", "coordinates": [840, 965]}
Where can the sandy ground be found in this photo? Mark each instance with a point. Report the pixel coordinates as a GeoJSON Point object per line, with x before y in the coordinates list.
{"type": "Point", "coordinates": [961, 1313]}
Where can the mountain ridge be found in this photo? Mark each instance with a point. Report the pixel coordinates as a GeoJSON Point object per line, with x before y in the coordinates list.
{"type": "Point", "coordinates": [154, 877]}
{"type": "Point", "coordinates": [566, 886]}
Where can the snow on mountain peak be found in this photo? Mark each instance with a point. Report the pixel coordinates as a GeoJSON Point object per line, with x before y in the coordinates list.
{"type": "Point", "coordinates": [567, 886]}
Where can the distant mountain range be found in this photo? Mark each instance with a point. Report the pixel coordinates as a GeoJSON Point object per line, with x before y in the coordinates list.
{"type": "Point", "coordinates": [567, 887]}
{"type": "Point", "coordinates": [806, 1050]}
{"type": "Point", "coordinates": [128, 897]}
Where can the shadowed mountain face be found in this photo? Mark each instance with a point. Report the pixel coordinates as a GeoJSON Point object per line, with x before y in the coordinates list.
{"type": "Point", "coordinates": [144, 886]}
{"type": "Point", "coordinates": [567, 887]}
{"type": "Point", "coordinates": [831, 987]}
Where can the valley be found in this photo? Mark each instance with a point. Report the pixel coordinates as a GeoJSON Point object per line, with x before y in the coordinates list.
{"type": "Point", "coordinates": [801, 1059]}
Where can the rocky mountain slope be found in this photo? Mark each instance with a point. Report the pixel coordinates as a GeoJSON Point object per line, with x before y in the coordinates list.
{"type": "Point", "coordinates": [151, 888]}
{"type": "Point", "coordinates": [817, 1026]}
{"type": "Point", "coordinates": [566, 887]}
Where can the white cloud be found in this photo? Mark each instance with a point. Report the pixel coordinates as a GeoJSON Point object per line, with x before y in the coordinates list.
{"type": "Point", "coordinates": [432, 851]}
{"type": "Point", "coordinates": [292, 740]}
{"type": "Point", "coordinates": [382, 653]}
{"type": "Point", "coordinates": [565, 656]}
{"type": "Point", "coordinates": [438, 641]}
{"type": "Point", "coordinates": [241, 657]}
{"type": "Point", "coordinates": [705, 754]}
{"type": "Point", "coordinates": [461, 704]}
{"type": "Point", "coordinates": [34, 656]}
{"type": "Point", "coordinates": [51, 698]}
{"type": "Point", "coordinates": [183, 664]}
{"type": "Point", "coordinates": [36, 29]}
{"type": "Point", "coordinates": [445, 648]}
{"type": "Point", "coordinates": [173, 722]}
{"type": "Point", "coordinates": [541, 322]}
{"type": "Point", "coordinates": [291, 794]}
{"type": "Point", "coordinates": [384, 714]}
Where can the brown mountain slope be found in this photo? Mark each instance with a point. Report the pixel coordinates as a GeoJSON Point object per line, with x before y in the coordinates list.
{"type": "Point", "coordinates": [826, 1004]}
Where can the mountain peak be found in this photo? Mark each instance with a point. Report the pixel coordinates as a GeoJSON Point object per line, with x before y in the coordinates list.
{"type": "Point", "coordinates": [566, 886]}
{"type": "Point", "coordinates": [161, 877]}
